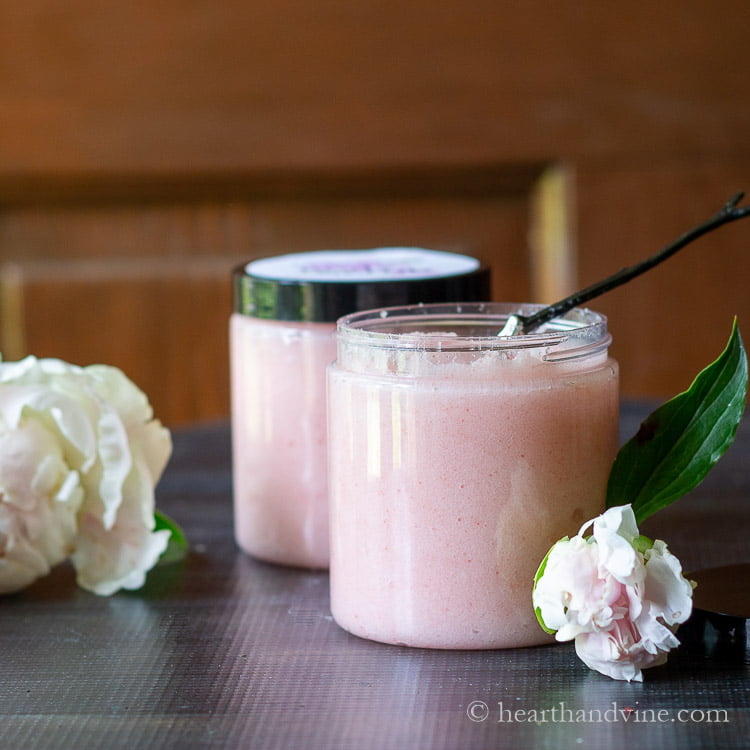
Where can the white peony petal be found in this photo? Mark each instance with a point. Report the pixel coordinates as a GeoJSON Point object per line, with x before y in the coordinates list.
{"type": "Point", "coordinates": [618, 557]}
{"type": "Point", "coordinates": [670, 593]}
{"type": "Point", "coordinates": [70, 488]}
{"type": "Point", "coordinates": [124, 396]}
{"type": "Point", "coordinates": [617, 653]}
{"type": "Point", "coordinates": [619, 520]}
{"type": "Point", "coordinates": [656, 637]}
{"type": "Point", "coordinates": [109, 559]}
{"type": "Point", "coordinates": [39, 500]}
{"type": "Point", "coordinates": [152, 443]}
{"type": "Point", "coordinates": [115, 462]}
{"type": "Point", "coordinates": [59, 414]}
{"type": "Point", "coordinates": [20, 563]}
{"type": "Point", "coordinates": [18, 372]}
{"type": "Point", "coordinates": [601, 652]}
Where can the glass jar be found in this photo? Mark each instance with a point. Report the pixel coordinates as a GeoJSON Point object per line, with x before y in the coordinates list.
{"type": "Point", "coordinates": [457, 458]}
{"type": "Point", "coordinates": [281, 341]}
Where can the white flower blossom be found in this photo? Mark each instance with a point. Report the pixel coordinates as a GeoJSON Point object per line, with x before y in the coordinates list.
{"type": "Point", "coordinates": [620, 605]}
{"type": "Point", "coordinates": [80, 454]}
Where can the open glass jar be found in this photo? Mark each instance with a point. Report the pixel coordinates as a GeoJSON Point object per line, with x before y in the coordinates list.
{"type": "Point", "coordinates": [456, 459]}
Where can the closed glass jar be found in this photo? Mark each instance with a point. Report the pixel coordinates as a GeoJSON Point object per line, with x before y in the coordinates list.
{"type": "Point", "coordinates": [281, 341]}
{"type": "Point", "coordinates": [456, 458]}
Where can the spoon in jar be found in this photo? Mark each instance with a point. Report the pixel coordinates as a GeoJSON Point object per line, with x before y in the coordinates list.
{"type": "Point", "coordinates": [520, 324]}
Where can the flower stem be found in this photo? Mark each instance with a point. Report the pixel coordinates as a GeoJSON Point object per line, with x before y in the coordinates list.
{"type": "Point", "coordinates": [728, 213]}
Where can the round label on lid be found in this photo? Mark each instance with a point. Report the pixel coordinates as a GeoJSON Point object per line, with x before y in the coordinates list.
{"type": "Point", "coordinates": [380, 264]}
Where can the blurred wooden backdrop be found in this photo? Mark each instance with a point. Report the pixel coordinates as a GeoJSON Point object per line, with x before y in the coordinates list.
{"type": "Point", "coordinates": [148, 146]}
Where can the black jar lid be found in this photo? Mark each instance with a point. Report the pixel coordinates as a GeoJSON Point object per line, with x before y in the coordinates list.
{"type": "Point", "coordinates": [321, 286]}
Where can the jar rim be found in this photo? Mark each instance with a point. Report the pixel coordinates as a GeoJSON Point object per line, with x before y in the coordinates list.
{"type": "Point", "coordinates": [474, 326]}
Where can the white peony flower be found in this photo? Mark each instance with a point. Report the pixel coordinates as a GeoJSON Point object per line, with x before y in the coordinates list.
{"type": "Point", "coordinates": [619, 595]}
{"type": "Point", "coordinates": [80, 454]}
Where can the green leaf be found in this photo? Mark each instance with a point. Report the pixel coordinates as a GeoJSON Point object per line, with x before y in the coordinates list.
{"type": "Point", "coordinates": [678, 444]}
{"type": "Point", "coordinates": [178, 545]}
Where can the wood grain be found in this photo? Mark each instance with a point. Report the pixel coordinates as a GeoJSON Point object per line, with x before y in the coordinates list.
{"type": "Point", "coordinates": [190, 86]}
{"type": "Point", "coordinates": [150, 136]}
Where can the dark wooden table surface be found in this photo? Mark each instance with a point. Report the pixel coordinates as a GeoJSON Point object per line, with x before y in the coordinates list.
{"type": "Point", "coordinates": [222, 651]}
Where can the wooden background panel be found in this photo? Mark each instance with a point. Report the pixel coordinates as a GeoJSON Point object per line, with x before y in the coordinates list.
{"type": "Point", "coordinates": [184, 86]}
{"type": "Point", "coordinates": [147, 287]}
{"type": "Point", "coordinates": [162, 323]}
{"type": "Point", "coordinates": [674, 320]}
{"type": "Point", "coordinates": [119, 229]}
{"type": "Point", "coordinates": [188, 129]}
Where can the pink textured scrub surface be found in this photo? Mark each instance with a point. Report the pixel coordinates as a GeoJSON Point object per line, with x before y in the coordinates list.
{"type": "Point", "coordinates": [447, 490]}
{"type": "Point", "coordinates": [279, 438]}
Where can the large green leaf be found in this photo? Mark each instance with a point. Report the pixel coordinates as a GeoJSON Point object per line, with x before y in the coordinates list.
{"type": "Point", "coordinates": [677, 445]}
